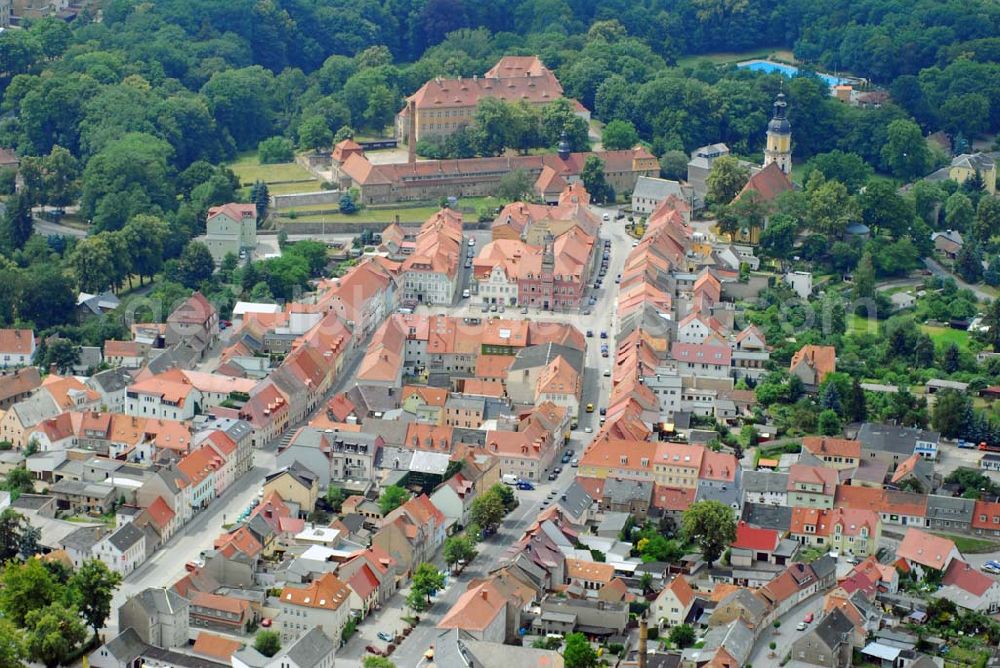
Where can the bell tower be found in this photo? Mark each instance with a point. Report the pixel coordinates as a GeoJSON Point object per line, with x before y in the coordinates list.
{"type": "Point", "coordinates": [779, 137]}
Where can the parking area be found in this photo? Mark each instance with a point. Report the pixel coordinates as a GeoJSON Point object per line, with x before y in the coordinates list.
{"type": "Point", "coordinates": [951, 457]}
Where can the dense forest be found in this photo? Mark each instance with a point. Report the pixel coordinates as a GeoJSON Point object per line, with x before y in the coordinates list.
{"type": "Point", "coordinates": [131, 109]}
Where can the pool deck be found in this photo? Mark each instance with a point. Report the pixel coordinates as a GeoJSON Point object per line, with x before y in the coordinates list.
{"type": "Point", "coordinates": [770, 66]}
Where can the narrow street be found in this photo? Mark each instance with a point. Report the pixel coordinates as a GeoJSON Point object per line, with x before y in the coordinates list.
{"type": "Point", "coordinates": [410, 653]}
{"type": "Point", "coordinates": [166, 566]}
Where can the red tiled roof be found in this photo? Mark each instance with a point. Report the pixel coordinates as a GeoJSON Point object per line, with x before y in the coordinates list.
{"type": "Point", "coordinates": [925, 549]}
{"type": "Point", "coordinates": [986, 515]}
{"type": "Point", "coordinates": [16, 341]}
{"type": "Point", "coordinates": [752, 538]}
{"type": "Point", "coordinates": [967, 578]}
{"type": "Point", "coordinates": [768, 183]}
{"type": "Point", "coordinates": [160, 513]}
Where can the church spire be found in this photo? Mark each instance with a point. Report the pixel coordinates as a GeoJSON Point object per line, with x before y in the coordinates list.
{"type": "Point", "coordinates": [779, 137]}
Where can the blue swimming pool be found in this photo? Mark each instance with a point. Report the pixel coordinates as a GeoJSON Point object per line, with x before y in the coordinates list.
{"type": "Point", "coordinates": [789, 71]}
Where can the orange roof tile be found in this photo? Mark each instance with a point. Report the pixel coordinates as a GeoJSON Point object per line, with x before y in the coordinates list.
{"type": "Point", "coordinates": [16, 341]}
{"type": "Point", "coordinates": [926, 549]}
{"type": "Point", "coordinates": [475, 609]}
{"type": "Point", "coordinates": [833, 447]}
{"type": "Point", "coordinates": [217, 647]}
{"type": "Point", "coordinates": [327, 592]}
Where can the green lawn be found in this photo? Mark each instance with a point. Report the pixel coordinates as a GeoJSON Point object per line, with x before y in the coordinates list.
{"type": "Point", "coordinates": [416, 214]}
{"type": "Point", "coordinates": [947, 335]}
{"type": "Point", "coordinates": [857, 324]}
{"type": "Point", "coordinates": [969, 545]}
{"type": "Point", "coordinates": [725, 57]}
{"type": "Point", "coordinates": [248, 168]}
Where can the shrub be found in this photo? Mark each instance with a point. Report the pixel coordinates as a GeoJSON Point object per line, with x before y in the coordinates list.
{"type": "Point", "coordinates": [275, 149]}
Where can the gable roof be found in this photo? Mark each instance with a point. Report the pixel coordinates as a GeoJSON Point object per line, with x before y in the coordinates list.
{"type": "Point", "coordinates": [822, 359]}
{"type": "Point", "coordinates": [832, 447]}
{"type": "Point", "coordinates": [752, 538]}
{"type": "Point", "coordinates": [925, 549]}
{"type": "Point", "coordinates": [960, 574]}
{"type": "Point", "coordinates": [475, 609]}
{"type": "Point", "coordinates": [768, 183]}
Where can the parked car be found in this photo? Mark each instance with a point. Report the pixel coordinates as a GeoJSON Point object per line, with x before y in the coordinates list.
{"type": "Point", "coordinates": [553, 475]}
{"type": "Point", "coordinates": [590, 408]}
{"type": "Point", "coordinates": [472, 241]}
{"type": "Point", "coordinates": [486, 308]}
{"type": "Point", "coordinates": [575, 462]}
{"type": "Point", "coordinates": [382, 635]}
{"type": "Point", "coordinates": [607, 373]}
{"type": "Point", "coordinates": [802, 626]}
{"type": "Point", "coordinates": [493, 308]}
{"type": "Point", "coordinates": [589, 429]}
{"type": "Point", "coordinates": [525, 485]}
{"type": "Point", "coordinates": [590, 332]}
{"type": "Point", "coordinates": [604, 411]}
{"type": "Point", "coordinates": [606, 217]}
{"type": "Point", "coordinates": [557, 470]}
{"type": "Point", "coordinates": [604, 334]}
{"type": "Point", "coordinates": [465, 293]}
{"type": "Point", "coordinates": [524, 310]}
{"type": "Point", "coordinates": [808, 619]}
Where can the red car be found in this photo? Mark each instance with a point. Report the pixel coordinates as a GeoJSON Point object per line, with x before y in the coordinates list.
{"type": "Point", "coordinates": [808, 618]}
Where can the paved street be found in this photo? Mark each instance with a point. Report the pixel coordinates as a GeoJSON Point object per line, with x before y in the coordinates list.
{"type": "Point", "coordinates": [936, 269]}
{"type": "Point", "coordinates": [166, 566]}
{"type": "Point", "coordinates": [410, 652]}
{"type": "Point", "coordinates": [786, 634]}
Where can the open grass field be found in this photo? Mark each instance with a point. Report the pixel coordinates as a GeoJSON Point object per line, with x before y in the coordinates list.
{"type": "Point", "coordinates": [946, 335]}
{"type": "Point", "coordinates": [726, 57]}
{"type": "Point", "coordinates": [857, 324]}
{"type": "Point", "coordinates": [417, 214]}
{"type": "Point", "coordinates": [248, 168]}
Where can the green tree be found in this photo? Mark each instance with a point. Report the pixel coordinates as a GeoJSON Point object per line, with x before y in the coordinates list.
{"type": "Point", "coordinates": [347, 204]}
{"type": "Point", "coordinates": [864, 278]}
{"type": "Point", "coordinates": [778, 239]}
{"type": "Point", "coordinates": [129, 176]}
{"type": "Point", "coordinates": [267, 642]}
{"type": "Point", "coordinates": [578, 652]}
{"type": "Point", "coordinates": [829, 423]}
{"type": "Point", "coordinates": [949, 412]}
{"type": "Point", "coordinates": [848, 168]}
{"type": "Point", "coordinates": [91, 589]}
{"type": "Point", "coordinates": [261, 198]}
{"type": "Point", "coordinates": [487, 511]}
{"type": "Point", "coordinates": [673, 165]}
{"type": "Point", "coordinates": [992, 321]}
{"type": "Point", "coordinates": [559, 118]}
{"type": "Point", "coordinates": [12, 525]}
{"type": "Point", "coordinates": [392, 497]}
{"type": "Point", "coordinates": [93, 263]}
{"type": "Point", "coordinates": [11, 645]}
{"type": "Point", "coordinates": [145, 238]}
{"type": "Point", "coordinates": [18, 224]}
{"type": "Point", "coordinates": [883, 209]}
{"type": "Point", "coordinates": [726, 180]}
{"type": "Point", "coordinates": [377, 662]}
{"type": "Point", "coordinates": [459, 548]}
{"type": "Point", "coordinates": [594, 181]}
{"type": "Point", "coordinates": [514, 186]}
{"type": "Point", "coordinates": [275, 150]}
{"type": "Point", "coordinates": [969, 263]}
{"type": "Point", "coordinates": [619, 135]}
{"type": "Point", "coordinates": [426, 579]}
{"type": "Point", "coordinates": [314, 133]}
{"type": "Point", "coordinates": [987, 222]}
{"type": "Point", "coordinates": [855, 405]}
{"type": "Point", "coordinates": [19, 481]}
{"type": "Point", "coordinates": [905, 150]}
{"type": "Point", "coordinates": [26, 587]}
{"type": "Point", "coordinates": [831, 208]}
{"type": "Point", "coordinates": [682, 636]}
{"type": "Point", "coordinates": [711, 525]}
{"type": "Point", "coordinates": [53, 634]}
{"type": "Point", "coordinates": [492, 119]}
{"type": "Point", "coordinates": [958, 212]}
{"type": "Point", "coordinates": [195, 264]}
{"type": "Point", "coordinates": [382, 104]}
{"type": "Point", "coordinates": [62, 353]}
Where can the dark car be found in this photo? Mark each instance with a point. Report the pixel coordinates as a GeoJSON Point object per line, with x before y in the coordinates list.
{"type": "Point", "coordinates": [557, 470]}
{"type": "Point", "coordinates": [604, 334]}
{"type": "Point", "coordinates": [553, 475]}
{"type": "Point", "coordinates": [604, 411]}
{"type": "Point", "coordinates": [590, 332]}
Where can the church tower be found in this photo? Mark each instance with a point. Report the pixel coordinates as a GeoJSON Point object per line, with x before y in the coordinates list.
{"type": "Point", "coordinates": [779, 138]}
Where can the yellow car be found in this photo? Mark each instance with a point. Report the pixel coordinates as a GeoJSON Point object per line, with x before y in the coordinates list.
{"type": "Point", "coordinates": [590, 408]}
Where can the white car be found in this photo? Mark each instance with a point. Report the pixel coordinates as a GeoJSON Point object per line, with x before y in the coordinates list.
{"type": "Point", "coordinates": [802, 626]}
{"type": "Point", "coordinates": [472, 241]}
{"type": "Point", "coordinates": [607, 217]}
{"type": "Point", "coordinates": [465, 294]}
